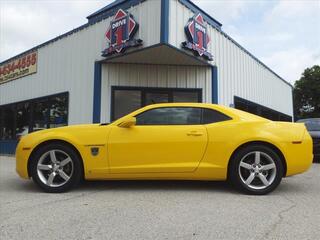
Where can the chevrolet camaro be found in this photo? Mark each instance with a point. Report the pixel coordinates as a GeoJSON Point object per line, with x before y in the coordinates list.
{"type": "Point", "coordinates": [177, 141]}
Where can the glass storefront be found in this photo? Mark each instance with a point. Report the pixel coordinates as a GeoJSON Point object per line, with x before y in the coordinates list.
{"type": "Point", "coordinates": [129, 99]}
{"type": "Point", "coordinates": [18, 119]}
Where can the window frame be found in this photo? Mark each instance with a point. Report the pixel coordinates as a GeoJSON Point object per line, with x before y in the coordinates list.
{"type": "Point", "coordinates": [145, 90]}
{"type": "Point", "coordinates": [201, 117]}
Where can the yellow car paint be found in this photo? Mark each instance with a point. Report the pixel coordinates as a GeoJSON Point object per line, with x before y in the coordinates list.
{"type": "Point", "coordinates": [191, 152]}
{"type": "Point", "coordinates": [149, 149]}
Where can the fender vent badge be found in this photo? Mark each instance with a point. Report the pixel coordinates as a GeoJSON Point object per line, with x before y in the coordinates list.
{"type": "Point", "coordinates": [94, 151]}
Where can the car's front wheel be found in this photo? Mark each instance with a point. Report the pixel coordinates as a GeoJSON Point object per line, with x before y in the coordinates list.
{"type": "Point", "coordinates": [256, 169]}
{"type": "Point", "coordinates": [56, 168]}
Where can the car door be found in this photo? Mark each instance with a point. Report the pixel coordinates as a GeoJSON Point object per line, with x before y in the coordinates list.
{"type": "Point", "coordinates": [165, 139]}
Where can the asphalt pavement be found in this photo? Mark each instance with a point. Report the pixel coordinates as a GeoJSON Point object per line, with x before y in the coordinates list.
{"type": "Point", "coordinates": [158, 210]}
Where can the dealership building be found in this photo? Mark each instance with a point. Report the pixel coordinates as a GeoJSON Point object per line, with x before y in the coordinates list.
{"type": "Point", "coordinates": [129, 54]}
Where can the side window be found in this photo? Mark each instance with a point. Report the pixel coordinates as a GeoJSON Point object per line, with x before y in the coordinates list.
{"type": "Point", "coordinates": [212, 116]}
{"type": "Point", "coordinates": [170, 116]}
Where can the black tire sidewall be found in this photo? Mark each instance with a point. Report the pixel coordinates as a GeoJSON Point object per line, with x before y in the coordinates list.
{"type": "Point", "coordinates": [234, 176]}
{"type": "Point", "coordinates": [77, 167]}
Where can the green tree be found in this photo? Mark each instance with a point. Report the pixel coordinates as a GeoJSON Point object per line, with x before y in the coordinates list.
{"type": "Point", "coordinates": [306, 94]}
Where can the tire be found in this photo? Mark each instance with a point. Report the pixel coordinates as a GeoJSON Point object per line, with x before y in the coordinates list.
{"type": "Point", "coordinates": [256, 170]}
{"type": "Point", "coordinates": [56, 168]}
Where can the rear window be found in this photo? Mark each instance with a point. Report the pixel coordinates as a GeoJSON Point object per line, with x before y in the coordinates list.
{"type": "Point", "coordinates": [212, 116]}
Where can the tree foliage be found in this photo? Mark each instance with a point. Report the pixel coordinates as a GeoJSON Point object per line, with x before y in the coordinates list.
{"type": "Point", "coordinates": [306, 94]}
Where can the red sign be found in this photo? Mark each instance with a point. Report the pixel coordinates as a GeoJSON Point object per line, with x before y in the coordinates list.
{"type": "Point", "coordinates": [120, 33]}
{"type": "Point", "coordinates": [198, 38]}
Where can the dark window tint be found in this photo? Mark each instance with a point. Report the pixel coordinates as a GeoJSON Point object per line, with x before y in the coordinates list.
{"type": "Point", "coordinates": [18, 119]}
{"type": "Point", "coordinates": [180, 116]}
{"type": "Point", "coordinates": [126, 101]}
{"type": "Point", "coordinates": [1, 123]}
{"type": "Point", "coordinates": [153, 97]}
{"type": "Point", "coordinates": [260, 110]}
{"type": "Point", "coordinates": [212, 116]}
{"type": "Point", "coordinates": [22, 118]}
{"type": "Point", "coordinates": [242, 106]}
{"type": "Point", "coordinates": [40, 115]}
{"type": "Point", "coordinates": [185, 96]}
{"type": "Point", "coordinates": [170, 116]}
{"type": "Point", "coordinates": [8, 123]}
{"type": "Point", "coordinates": [58, 107]}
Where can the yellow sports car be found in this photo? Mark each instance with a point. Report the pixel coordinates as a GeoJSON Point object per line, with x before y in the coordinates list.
{"type": "Point", "coordinates": [181, 141]}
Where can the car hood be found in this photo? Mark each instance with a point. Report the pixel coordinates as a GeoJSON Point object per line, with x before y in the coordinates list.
{"type": "Point", "coordinates": [85, 134]}
{"type": "Point", "coordinates": [71, 128]}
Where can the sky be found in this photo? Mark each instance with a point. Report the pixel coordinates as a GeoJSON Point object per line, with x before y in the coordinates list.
{"type": "Point", "coordinates": [283, 34]}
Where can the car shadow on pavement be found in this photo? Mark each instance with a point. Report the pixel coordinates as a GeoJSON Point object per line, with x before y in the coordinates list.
{"type": "Point", "coordinates": [155, 185]}
{"type": "Point", "coordinates": [152, 185]}
{"type": "Point", "coordinates": [128, 185]}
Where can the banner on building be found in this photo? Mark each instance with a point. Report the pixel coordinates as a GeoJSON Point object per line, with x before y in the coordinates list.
{"type": "Point", "coordinates": [19, 67]}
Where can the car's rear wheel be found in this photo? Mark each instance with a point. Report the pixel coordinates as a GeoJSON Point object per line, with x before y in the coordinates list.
{"type": "Point", "coordinates": [56, 168]}
{"type": "Point", "coordinates": [256, 169]}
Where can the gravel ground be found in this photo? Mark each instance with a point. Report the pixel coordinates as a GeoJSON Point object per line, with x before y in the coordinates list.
{"type": "Point", "coordinates": [158, 210]}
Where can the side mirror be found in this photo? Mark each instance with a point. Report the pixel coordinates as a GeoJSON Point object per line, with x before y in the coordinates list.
{"type": "Point", "coordinates": [128, 122]}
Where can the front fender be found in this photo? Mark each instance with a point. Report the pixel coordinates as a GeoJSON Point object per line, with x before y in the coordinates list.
{"type": "Point", "coordinates": [82, 141]}
{"type": "Point", "coordinates": [28, 144]}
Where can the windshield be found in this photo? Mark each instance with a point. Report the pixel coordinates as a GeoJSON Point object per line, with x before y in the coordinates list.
{"type": "Point", "coordinates": [312, 124]}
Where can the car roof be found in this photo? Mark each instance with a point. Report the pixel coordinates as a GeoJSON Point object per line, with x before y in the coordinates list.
{"type": "Point", "coordinates": [180, 104]}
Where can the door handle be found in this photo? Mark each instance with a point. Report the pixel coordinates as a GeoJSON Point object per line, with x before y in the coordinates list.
{"type": "Point", "coordinates": [195, 133]}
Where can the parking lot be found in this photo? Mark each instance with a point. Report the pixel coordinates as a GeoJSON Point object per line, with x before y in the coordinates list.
{"type": "Point", "coordinates": [158, 210]}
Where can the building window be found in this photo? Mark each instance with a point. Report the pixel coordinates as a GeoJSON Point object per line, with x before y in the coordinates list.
{"type": "Point", "coordinates": [156, 97]}
{"type": "Point", "coordinates": [40, 115]}
{"type": "Point", "coordinates": [18, 119]}
{"type": "Point", "coordinates": [22, 118]}
{"type": "Point", "coordinates": [128, 99]}
{"type": "Point", "coordinates": [58, 108]}
{"type": "Point", "coordinates": [8, 123]}
{"type": "Point", "coordinates": [185, 96]}
{"type": "Point", "coordinates": [260, 110]}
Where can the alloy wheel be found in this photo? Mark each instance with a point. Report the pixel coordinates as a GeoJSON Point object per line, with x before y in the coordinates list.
{"type": "Point", "coordinates": [55, 168]}
{"type": "Point", "coordinates": [257, 170]}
